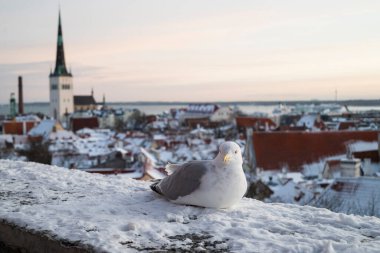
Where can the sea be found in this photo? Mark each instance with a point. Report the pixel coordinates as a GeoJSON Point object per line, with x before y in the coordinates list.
{"type": "Point", "coordinates": [160, 107]}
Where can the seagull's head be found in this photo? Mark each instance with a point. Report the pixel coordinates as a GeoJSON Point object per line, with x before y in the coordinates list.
{"type": "Point", "coordinates": [230, 152]}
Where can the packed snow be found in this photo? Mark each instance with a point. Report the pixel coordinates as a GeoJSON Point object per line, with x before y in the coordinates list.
{"type": "Point", "coordinates": [118, 214]}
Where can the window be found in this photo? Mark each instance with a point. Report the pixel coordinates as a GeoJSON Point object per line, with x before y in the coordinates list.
{"type": "Point", "coordinates": [65, 86]}
{"type": "Point", "coordinates": [54, 86]}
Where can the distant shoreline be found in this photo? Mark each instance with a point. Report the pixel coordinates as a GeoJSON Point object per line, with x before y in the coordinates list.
{"type": "Point", "coordinates": [352, 102]}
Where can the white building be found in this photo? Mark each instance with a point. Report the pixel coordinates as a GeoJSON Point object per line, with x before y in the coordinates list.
{"type": "Point", "coordinates": [61, 83]}
{"type": "Point", "coordinates": [223, 114]}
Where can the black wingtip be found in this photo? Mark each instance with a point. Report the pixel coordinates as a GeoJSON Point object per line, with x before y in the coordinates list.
{"type": "Point", "coordinates": [155, 188]}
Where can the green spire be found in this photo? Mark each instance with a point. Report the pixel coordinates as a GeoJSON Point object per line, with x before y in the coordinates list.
{"type": "Point", "coordinates": [60, 66]}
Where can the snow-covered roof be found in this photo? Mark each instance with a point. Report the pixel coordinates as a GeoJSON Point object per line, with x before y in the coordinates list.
{"type": "Point", "coordinates": [360, 146]}
{"type": "Point", "coordinates": [201, 130]}
{"type": "Point", "coordinates": [97, 144]}
{"type": "Point", "coordinates": [353, 196]}
{"type": "Point", "coordinates": [27, 118]}
{"type": "Point", "coordinates": [316, 168]}
{"type": "Point", "coordinates": [6, 138]}
{"type": "Point", "coordinates": [159, 137]}
{"type": "Point", "coordinates": [118, 214]}
{"type": "Point", "coordinates": [121, 150]}
{"type": "Point", "coordinates": [202, 108]}
{"type": "Point", "coordinates": [85, 131]}
{"type": "Point", "coordinates": [44, 128]}
{"type": "Point", "coordinates": [165, 156]}
{"type": "Point", "coordinates": [63, 134]}
{"type": "Point", "coordinates": [307, 120]}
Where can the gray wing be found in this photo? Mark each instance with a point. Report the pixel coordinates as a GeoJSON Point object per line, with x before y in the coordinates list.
{"type": "Point", "coordinates": [184, 180]}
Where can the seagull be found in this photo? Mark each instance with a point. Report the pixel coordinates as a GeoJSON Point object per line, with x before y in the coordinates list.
{"type": "Point", "coordinates": [218, 183]}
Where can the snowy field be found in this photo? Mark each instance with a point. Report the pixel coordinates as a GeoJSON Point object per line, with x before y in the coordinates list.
{"type": "Point", "coordinates": [118, 214]}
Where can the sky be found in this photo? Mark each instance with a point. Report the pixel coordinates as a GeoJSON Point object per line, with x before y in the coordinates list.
{"type": "Point", "coordinates": [195, 50]}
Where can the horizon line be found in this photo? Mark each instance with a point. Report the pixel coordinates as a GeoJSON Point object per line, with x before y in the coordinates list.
{"type": "Point", "coordinates": [225, 102]}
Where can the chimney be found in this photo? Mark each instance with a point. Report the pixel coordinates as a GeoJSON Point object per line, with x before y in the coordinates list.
{"type": "Point", "coordinates": [20, 96]}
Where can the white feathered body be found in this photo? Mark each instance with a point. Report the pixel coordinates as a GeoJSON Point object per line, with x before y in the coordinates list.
{"type": "Point", "coordinates": [219, 188]}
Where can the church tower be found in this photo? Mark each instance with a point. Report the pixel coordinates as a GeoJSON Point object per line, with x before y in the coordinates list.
{"type": "Point", "coordinates": [61, 82]}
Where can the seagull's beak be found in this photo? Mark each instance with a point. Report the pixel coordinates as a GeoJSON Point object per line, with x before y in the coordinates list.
{"type": "Point", "coordinates": [227, 158]}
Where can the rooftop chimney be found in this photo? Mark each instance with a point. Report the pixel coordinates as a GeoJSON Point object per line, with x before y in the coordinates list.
{"type": "Point", "coordinates": [20, 96]}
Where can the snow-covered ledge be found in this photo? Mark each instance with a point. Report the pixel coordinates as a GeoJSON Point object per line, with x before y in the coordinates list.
{"type": "Point", "coordinates": [80, 211]}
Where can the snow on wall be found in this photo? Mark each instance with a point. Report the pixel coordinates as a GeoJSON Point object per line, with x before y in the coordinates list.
{"type": "Point", "coordinates": [117, 214]}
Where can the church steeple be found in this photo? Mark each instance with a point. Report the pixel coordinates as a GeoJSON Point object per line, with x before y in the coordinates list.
{"type": "Point", "coordinates": [61, 83]}
{"type": "Point", "coordinates": [60, 65]}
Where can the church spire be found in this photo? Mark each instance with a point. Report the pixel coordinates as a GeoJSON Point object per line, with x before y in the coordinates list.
{"type": "Point", "coordinates": [60, 66]}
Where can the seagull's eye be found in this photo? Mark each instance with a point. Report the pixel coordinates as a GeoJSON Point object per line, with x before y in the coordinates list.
{"type": "Point", "coordinates": [236, 151]}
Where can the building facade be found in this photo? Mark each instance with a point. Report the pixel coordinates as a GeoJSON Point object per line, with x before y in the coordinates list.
{"type": "Point", "coordinates": [84, 103]}
{"type": "Point", "coordinates": [61, 83]}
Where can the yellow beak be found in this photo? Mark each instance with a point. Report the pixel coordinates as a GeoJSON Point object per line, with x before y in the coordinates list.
{"type": "Point", "coordinates": [227, 158]}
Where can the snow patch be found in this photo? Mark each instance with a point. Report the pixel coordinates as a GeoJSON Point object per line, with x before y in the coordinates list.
{"type": "Point", "coordinates": [118, 214]}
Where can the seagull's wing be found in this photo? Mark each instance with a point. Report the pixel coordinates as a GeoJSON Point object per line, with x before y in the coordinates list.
{"type": "Point", "coordinates": [184, 180]}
